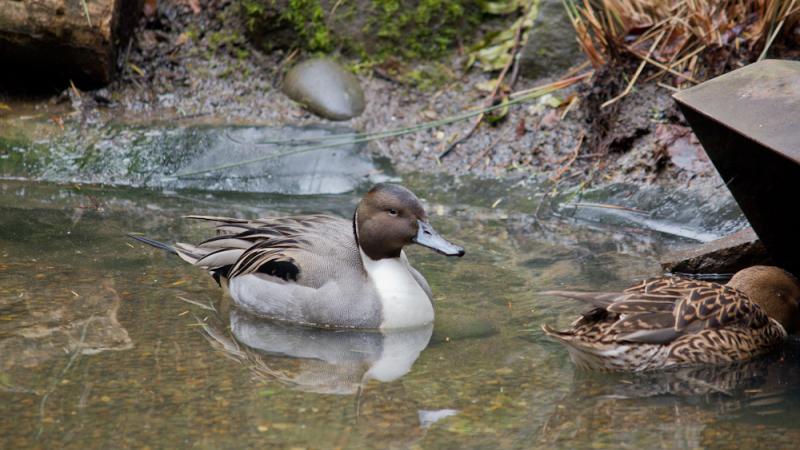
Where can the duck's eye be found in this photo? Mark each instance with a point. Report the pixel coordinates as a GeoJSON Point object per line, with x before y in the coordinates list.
{"type": "Point", "coordinates": [392, 212]}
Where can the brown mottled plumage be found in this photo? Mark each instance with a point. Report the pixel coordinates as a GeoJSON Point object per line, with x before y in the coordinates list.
{"type": "Point", "coordinates": [669, 321]}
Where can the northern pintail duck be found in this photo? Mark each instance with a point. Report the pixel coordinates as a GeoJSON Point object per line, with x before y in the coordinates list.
{"type": "Point", "coordinates": [326, 271]}
{"type": "Point", "coordinates": [671, 321]}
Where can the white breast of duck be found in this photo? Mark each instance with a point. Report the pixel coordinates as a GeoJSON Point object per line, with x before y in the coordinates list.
{"type": "Point", "coordinates": [404, 304]}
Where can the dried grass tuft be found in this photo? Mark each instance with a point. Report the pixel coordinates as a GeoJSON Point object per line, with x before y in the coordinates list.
{"type": "Point", "coordinates": [685, 30]}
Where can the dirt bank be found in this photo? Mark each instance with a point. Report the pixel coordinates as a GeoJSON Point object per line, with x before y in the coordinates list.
{"type": "Point", "coordinates": [190, 62]}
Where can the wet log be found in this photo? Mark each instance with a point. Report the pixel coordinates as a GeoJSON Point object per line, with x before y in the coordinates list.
{"type": "Point", "coordinates": [57, 41]}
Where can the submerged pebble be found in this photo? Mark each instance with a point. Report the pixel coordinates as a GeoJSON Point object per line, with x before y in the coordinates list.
{"type": "Point", "coordinates": [325, 88]}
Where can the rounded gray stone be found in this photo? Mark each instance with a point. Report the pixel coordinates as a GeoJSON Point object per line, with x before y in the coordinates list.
{"type": "Point", "coordinates": [325, 88]}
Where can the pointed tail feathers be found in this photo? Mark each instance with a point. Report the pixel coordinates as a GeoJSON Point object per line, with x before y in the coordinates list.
{"type": "Point", "coordinates": [154, 243]}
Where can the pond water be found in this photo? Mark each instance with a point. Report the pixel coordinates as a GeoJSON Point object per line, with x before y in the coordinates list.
{"type": "Point", "coordinates": [107, 344]}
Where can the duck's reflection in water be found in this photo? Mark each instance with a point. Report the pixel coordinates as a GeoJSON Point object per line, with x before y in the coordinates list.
{"type": "Point", "coordinates": [356, 363]}
{"type": "Point", "coordinates": [764, 391]}
{"type": "Point", "coordinates": [324, 361]}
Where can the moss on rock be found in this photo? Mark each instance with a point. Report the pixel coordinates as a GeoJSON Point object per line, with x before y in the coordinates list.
{"type": "Point", "coordinates": [370, 29]}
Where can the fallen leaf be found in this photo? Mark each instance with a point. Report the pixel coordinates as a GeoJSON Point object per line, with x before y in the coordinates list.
{"type": "Point", "coordinates": [182, 39]}
{"type": "Point", "coordinates": [486, 86]}
{"type": "Point", "coordinates": [550, 120]}
{"type": "Point", "coordinates": [74, 89]}
{"type": "Point", "coordinates": [430, 115]}
{"type": "Point", "coordinates": [551, 101]}
{"type": "Point", "coordinates": [498, 114]}
{"type": "Point", "coordinates": [501, 7]}
{"type": "Point", "coordinates": [58, 120]}
{"type": "Point", "coordinates": [136, 69]}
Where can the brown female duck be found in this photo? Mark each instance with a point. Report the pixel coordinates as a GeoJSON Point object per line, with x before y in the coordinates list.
{"type": "Point", "coordinates": [669, 321]}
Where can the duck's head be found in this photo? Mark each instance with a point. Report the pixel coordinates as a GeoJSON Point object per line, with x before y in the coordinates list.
{"type": "Point", "coordinates": [390, 217]}
{"type": "Point", "coordinates": [775, 290]}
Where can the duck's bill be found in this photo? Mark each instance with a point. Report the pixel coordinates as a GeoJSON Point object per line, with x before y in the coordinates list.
{"type": "Point", "coordinates": [428, 237]}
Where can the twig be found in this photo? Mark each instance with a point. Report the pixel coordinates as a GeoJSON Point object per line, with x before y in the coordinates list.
{"type": "Point", "coordinates": [463, 138]}
{"type": "Point", "coordinates": [491, 98]}
{"type": "Point", "coordinates": [560, 84]}
{"type": "Point", "coordinates": [86, 12]}
{"type": "Point", "coordinates": [536, 218]}
{"type": "Point", "coordinates": [484, 152]}
{"type": "Point", "coordinates": [515, 98]}
{"type": "Point", "coordinates": [682, 60]}
{"type": "Point", "coordinates": [351, 139]}
{"type": "Point", "coordinates": [514, 72]}
{"type": "Point", "coordinates": [357, 138]}
{"type": "Point", "coordinates": [591, 155]}
{"type": "Point", "coordinates": [123, 62]}
{"type": "Point", "coordinates": [276, 74]}
{"type": "Point", "coordinates": [576, 69]}
{"type": "Point", "coordinates": [608, 206]}
{"type": "Point", "coordinates": [668, 87]}
{"type": "Point", "coordinates": [571, 103]}
{"type": "Point", "coordinates": [333, 9]}
{"type": "Point", "coordinates": [55, 381]}
{"type": "Point", "coordinates": [572, 159]}
{"type": "Point", "coordinates": [774, 34]}
{"type": "Point", "coordinates": [196, 303]}
{"type": "Point", "coordinates": [662, 66]}
{"type": "Point", "coordinates": [635, 75]}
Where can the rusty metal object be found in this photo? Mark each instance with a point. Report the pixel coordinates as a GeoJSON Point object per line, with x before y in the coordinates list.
{"type": "Point", "coordinates": [748, 121]}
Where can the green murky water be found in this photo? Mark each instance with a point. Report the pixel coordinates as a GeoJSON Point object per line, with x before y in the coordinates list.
{"type": "Point", "coordinates": [107, 344]}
